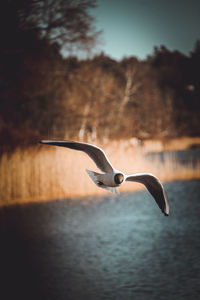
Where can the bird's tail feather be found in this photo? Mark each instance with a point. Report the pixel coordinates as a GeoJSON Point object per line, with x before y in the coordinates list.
{"type": "Point", "coordinates": [95, 178]}
{"type": "Point", "coordinates": [93, 175]}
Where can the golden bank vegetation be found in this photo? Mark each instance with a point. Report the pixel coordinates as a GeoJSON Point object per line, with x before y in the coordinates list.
{"type": "Point", "coordinates": [46, 172]}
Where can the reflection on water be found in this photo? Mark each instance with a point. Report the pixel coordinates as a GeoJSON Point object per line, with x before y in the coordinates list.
{"type": "Point", "coordinates": [109, 248]}
{"type": "Point", "coordinates": [191, 156]}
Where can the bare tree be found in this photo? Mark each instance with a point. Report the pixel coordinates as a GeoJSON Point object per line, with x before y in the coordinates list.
{"type": "Point", "coordinates": [93, 100]}
{"type": "Point", "coordinates": [131, 88]}
{"type": "Point", "coordinates": [82, 129]}
{"type": "Point", "coordinates": [66, 22]}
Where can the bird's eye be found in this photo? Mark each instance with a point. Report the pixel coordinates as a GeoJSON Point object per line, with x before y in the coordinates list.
{"type": "Point", "coordinates": [119, 178]}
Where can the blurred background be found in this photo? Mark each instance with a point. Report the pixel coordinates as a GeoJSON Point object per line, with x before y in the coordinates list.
{"type": "Point", "coordinates": [124, 75]}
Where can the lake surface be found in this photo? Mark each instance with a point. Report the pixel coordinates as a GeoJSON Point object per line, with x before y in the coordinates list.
{"type": "Point", "coordinates": [117, 248]}
{"type": "Point", "coordinates": [182, 157]}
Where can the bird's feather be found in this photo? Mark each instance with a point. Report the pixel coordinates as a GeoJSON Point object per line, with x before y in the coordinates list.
{"type": "Point", "coordinates": [151, 182]}
{"type": "Point", "coordinates": [95, 178]}
{"type": "Point", "coordinates": [154, 186]}
{"type": "Point", "coordinates": [94, 152]}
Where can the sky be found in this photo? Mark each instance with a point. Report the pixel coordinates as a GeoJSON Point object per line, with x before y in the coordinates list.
{"type": "Point", "coordinates": [133, 28]}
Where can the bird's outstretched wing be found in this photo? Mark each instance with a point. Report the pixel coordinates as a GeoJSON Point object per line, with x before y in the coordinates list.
{"type": "Point", "coordinates": [94, 152]}
{"type": "Point", "coordinates": [154, 186]}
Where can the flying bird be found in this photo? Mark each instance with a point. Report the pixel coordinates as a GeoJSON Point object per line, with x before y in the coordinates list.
{"type": "Point", "coordinates": [112, 178]}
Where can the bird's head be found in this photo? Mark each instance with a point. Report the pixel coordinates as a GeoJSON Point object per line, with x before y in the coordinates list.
{"type": "Point", "coordinates": [119, 178]}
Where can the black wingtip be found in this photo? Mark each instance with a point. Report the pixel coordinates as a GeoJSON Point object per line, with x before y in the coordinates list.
{"type": "Point", "coordinates": [166, 215]}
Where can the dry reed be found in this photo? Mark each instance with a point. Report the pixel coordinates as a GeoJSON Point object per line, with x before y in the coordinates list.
{"type": "Point", "coordinates": [181, 143]}
{"type": "Point", "coordinates": [46, 172]}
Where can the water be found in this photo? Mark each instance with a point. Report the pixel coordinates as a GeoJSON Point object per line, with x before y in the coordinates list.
{"type": "Point", "coordinates": [182, 157]}
{"type": "Point", "coordinates": [103, 248]}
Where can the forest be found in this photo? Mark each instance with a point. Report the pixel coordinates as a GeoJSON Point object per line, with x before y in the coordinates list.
{"type": "Point", "coordinates": [44, 94]}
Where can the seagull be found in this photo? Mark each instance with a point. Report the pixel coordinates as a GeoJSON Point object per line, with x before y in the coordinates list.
{"type": "Point", "coordinates": [112, 178]}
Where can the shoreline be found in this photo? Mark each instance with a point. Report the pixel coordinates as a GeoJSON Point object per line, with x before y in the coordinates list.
{"type": "Point", "coordinates": [44, 173]}
{"type": "Point", "coordinates": [89, 197]}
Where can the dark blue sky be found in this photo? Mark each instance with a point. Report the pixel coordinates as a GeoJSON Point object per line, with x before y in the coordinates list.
{"type": "Point", "coordinates": [135, 27]}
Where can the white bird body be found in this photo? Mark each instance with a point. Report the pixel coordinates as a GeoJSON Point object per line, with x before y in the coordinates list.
{"type": "Point", "coordinates": [107, 179]}
{"type": "Point", "coordinates": [111, 178]}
